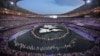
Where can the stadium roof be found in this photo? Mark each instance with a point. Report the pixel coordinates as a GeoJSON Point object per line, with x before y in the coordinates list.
{"type": "Point", "coordinates": [16, 5]}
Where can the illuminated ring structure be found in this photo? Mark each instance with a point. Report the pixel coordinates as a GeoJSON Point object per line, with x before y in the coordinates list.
{"type": "Point", "coordinates": [66, 32]}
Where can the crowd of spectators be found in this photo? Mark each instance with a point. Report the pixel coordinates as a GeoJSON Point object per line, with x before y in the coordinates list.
{"type": "Point", "coordinates": [6, 51]}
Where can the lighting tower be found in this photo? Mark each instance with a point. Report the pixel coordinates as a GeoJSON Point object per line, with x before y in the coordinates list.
{"type": "Point", "coordinates": [87, 1]}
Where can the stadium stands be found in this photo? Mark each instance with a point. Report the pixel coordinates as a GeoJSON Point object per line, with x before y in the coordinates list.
{"type": "Point", "coordinates": [15, 19]}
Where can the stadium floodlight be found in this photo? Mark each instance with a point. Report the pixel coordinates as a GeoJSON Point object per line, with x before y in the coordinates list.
{"type": "Point", "coordinates": [54, 16]}
{"type": "Point", "coordinates": [12, 3]}
{"type": "Point", "coordinates": [88, 1]}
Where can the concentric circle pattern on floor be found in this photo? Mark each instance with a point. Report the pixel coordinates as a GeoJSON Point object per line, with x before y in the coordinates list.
{"type": "Point", "coordinates": [56, 28]}
{"type": "Point", "coordinates": [50, 32]}
{"type": "Point", "coordinates": [63, 40]}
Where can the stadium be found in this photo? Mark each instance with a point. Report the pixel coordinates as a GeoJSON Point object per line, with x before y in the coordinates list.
{"type": "Point", "coordinates": [27, 33]}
